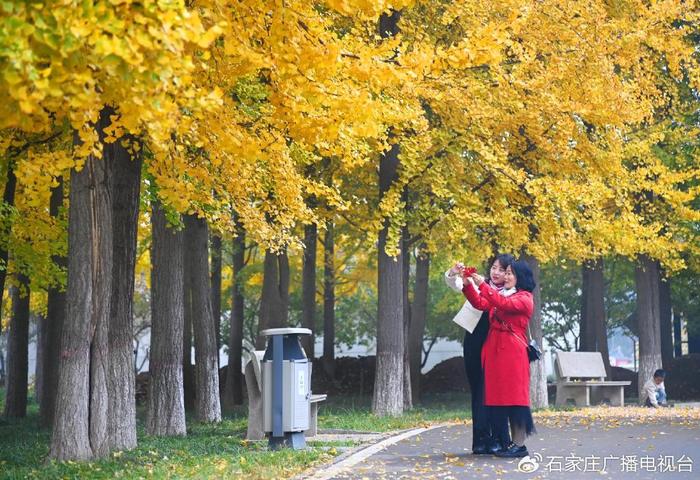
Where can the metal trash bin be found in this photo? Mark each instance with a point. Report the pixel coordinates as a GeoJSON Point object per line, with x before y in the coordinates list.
{"type": "Point", "coordinates": [286, 376]}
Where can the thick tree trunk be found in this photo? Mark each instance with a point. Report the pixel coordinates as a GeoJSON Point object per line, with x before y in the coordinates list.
{"type": "Point", "coordinates": [405, 280]}
{"type": "Point", "coordinates": [233, 392]}
{"type": "Point", "coordinates": [18, 351]}
{"type": "Point", "coordinates": [56, 312]}
{"type": "Point", "coordinates": [102, 280]}
{"type": "Point", "coordinates": [593, 312]}
{"type": "Point", "coordinates": [274, 304]}
{"type": "Point", "coordinates": [419, 311]}
{"type": "Point", "coordinates": [80, 424]}
{"type": "Point", "coordinates": [648, 318]}
{"type": "Point", "coordinates": [216, 289]}
{"type": "Point", "coordinates": [329, 300]}
{"type": "Point", "coordinates": [126, 187]}
{"type": "Point", "coordinates": [666, 321]}
{"type": "Point", "coordinates": [166, 402]}
{"type": "Point", "coordinates": [388, 383]}
{"type": "Point", "coordinates": [538, 375]}
{"type": "Point", "coordinates": [207, 403]}
{"type": "Point", "coordinates": [308, 305]}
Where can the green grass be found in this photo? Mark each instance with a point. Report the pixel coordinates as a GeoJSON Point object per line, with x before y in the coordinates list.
{"type": "Point", "coordinates": [209, 451]}
{"type": "Point", "coordinates": [354, 413]}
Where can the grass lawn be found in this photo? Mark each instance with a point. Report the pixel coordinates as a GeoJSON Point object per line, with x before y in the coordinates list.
{"type": "Point", "coordinates": [209, 451]}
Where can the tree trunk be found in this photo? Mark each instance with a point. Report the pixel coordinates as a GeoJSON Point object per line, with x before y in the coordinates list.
{"type": "Point", "coordinates": [389, 377]}
{"type": "Point", "coordinates": [126, 188]}
{"type": "Point", "coordinates": [593, 312]}
{"type": "Point", "coordinates": [274, 304]}
{"type": "Point", "coordinates": [102, 280]}
{"type": "Point", "coordinates": [308, 306]}
{"type": "Point", "coordinates": [677, 339]}
{"type": "Point", "coordinates": [18, 351]}
{"type": "Point", "coordinates": [666, 321]}
{"type": "Point", "coordinates": [388, 383]}
{"type": "Point", "coordinates": [233, 392]}
{"type": "Point", "coordinates": [8, 199]}
{"type": "Point", "coordinates": [216, 290]}
{"type": "Point", "coordinates": [538, 375]}
{"type": "Point", "coordinates": [42, 327]}
{"type": "Point", "coordinates": [329, 300]}
{"type": "Point", "coordinates": [405, 280]}
{"type": "Point", "coordinates": [419, 312]}
{"type": "Point", "coordinates": [648, 319]}
{"type": "Point", "coordinates": [587, 327]}
{"type": "Point", "coordinates": [166, 401]}
{"type": "Point", "coordinates": [187, 366]}
{"type": "Point", "coordinates": [207, 404]}
{"type": "Point", "coordinates": [56, 312]}
{"type": "Point", "coordinates": [80, 424]}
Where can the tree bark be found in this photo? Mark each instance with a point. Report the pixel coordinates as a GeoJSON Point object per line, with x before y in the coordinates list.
{"type": "Point", "coordinates": [405, 280]}
{"type": "Point", "coordinates": [126, 188]}
{"type": "Point", "coordinates": [166, 401]}
{"type": "Point", "coordinates": [207, 403]}
{"type": "Point", "coordinates": [216, 289]}
{"type": "Point", "coordinates": [308, 307]}
{"type": "Point", "coordinates": [329, 300]}
{"type": "Point", "coordinates": [102, 280]}
{"type": "Point", "coordinates": [648, 318]}
{"type": "Point", "coordinates": [18, 351]}
{"type": "Point", "coordinates": [538, 375]}
{"type": "Point", "coordinates": [233, 391]}
{"type": "Point", "coordinates": [593, 313]}
{"type": "Point", "coordinates": [419, 311]}
{"type": "Point", "coordinates": [666, 321]}
{"type": "Point", "coordinates": [274, 304]}
{"type": "Point", "coordinates": [80, 423]}
{"type": "Point", "coordinates": [388, 383]}
{"type": "Point", "coordinates": [56, 312]}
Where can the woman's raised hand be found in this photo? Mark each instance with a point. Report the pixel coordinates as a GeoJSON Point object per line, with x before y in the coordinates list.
{"type": "Point", "coordinates": [457, 268]}
{"type": "Point", "coordinates": [478, 279]}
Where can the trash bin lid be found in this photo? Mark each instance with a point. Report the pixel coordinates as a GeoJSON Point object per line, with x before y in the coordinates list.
{"type": "Point", "coordinates": [286, 331]}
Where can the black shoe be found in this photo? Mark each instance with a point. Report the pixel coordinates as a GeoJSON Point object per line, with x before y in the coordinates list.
{"type": "Point", "coordinates": [480, 449]}
{"type": "Point", "coordinates": [513, 451]}
{"type": "Point", "coordinates": [495, 446]}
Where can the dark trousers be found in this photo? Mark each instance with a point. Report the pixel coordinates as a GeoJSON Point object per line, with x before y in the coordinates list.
{"type": "Point", "coordinates": [473, 342]}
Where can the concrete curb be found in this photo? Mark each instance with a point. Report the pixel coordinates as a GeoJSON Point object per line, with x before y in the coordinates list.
{"type": "Point", "coordinates": [349, 460]}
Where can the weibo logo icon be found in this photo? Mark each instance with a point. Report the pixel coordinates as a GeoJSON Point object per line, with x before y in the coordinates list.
{"type": "Point", "coordinates": [530, 464]}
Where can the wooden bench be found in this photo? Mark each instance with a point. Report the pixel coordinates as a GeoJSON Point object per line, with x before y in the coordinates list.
{"type": "Point", "coordinates": [252, 370]}
{"type": "Point", "coordinates": [581, 379]}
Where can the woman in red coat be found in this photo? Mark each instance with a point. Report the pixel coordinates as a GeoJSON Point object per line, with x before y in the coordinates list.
{"type": "Point", "coordinates": [504, 355]}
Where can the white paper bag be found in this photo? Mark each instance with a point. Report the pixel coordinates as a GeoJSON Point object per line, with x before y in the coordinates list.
{"type": "Point", "coordinates": [467, 317]}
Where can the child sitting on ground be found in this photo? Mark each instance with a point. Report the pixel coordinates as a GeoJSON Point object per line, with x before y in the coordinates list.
{"type": "Point", "coordinates": [654, 391]}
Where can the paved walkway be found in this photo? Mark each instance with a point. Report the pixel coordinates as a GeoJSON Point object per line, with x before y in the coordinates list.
{"type": "Point", "coordinates": [569, 447]}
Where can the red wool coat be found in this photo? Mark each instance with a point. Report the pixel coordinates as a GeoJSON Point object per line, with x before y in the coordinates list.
{"type": "Point", "coordinates": [504, 357]}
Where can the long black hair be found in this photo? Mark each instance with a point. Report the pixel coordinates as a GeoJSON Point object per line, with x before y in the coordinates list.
{"type": "Point", "coordinates": [523, 275]}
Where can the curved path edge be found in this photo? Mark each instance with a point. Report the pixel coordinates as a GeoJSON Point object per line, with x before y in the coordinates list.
{"type": "Point", "coordinates": [345, 462]}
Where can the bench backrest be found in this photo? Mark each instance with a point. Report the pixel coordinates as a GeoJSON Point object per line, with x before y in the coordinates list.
{"type": "Point", "coordinates": [579, 365]}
